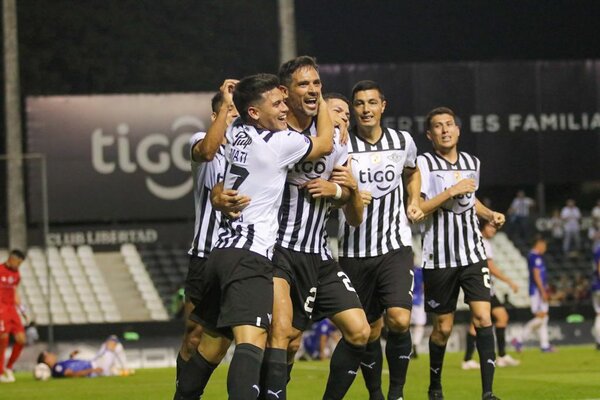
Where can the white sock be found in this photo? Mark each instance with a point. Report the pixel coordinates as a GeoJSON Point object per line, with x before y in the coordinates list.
{"type": "Point", "coordinates": [597, 328]}
{"type": "Point", "coordinates": [417, 334]}
{"type": "Point", "coordinates": [544, 342]}
{"type": "Point", "coordinates": [530, 326]}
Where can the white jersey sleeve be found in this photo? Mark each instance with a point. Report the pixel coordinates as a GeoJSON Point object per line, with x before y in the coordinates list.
{"type": "Point", "coordinates": [196, 137]}
{"type": "Point", "coordinates": [489, 252]}
{"type": "Point", "coordinates": [411, 151]}
{"type": "Point", "coordinates": [425, 173]}
{"type": "Point", "coordinates": [339, 150]}
{"type": "Point", "coordinates": [292, 147]}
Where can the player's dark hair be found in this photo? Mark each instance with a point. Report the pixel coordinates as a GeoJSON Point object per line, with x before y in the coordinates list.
{"type": "Point", "coordinates": [288, 68]}
{"type": "Point", "coordinates": [17, 253]}
{"type": "Point", "coordinates": [41, 358]}
{"type": "Point", "coordinates": [438, 111]}
{"type": "Point", "coordinates": [249, 91]}
{"type": "Point", "coordinates": [367, 85]}
{"type": "Point", "coordinates": [335, 95]}
{"type": "Point", "coordinates": [538, 237]}
{"type": "Point", "coordinates": [216, 102]}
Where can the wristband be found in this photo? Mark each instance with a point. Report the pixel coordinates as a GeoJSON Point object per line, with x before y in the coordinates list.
{"type": "Point", "coordinates": [338, 191]}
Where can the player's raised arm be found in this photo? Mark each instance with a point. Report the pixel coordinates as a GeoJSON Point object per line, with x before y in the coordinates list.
{"type": "Point", "coordinates": [462, 187]}
{"type": "Point", "coordinates": [322, 144]}
{"type": "Point", "coordinates": [495, 218]}
{"type": "Point", "coordinates": [412, 178]}
{"type": "Point", "coordinates": [353, 205]}
{"type": "Point", "coordinates": [206, 148]}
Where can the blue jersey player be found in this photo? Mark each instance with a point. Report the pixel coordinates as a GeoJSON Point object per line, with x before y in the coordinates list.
{"type": "Point", "coordinates": [418, 317]}
{"type": "Point", "coordinates": [596, 293]}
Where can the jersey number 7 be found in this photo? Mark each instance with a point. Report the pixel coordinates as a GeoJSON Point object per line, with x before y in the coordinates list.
{"type": "Point", "coordinates": [242, 174]}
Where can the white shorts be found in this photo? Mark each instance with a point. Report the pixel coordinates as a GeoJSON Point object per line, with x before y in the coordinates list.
{"type": "Point", "coordinates": [595, 301]}
{"type": "Point", "coordinates": [537, 304]}
{"type": "Point", "coordinates": [418, 316]}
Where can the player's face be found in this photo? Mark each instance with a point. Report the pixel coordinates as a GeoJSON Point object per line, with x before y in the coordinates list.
{"type": "Point", "coordinates": [232, 113]}
{"type": "Point", "coordinates": [271, 112]}
{"type": "Point", "coordinates": [304, 92]}
{"type": "Point", "coordinates": [50, 358]}
{"type": "Point", "coordinates": [443, 132]}
{"type": "Point", "coordinates": [14, 262]}
{"type": "Point", "coordinates": [368, 107]}
{"type": "Point", "coordinates": [339, 112]}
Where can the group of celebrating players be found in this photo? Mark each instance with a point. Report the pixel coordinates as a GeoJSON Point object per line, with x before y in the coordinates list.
{"type": "Point", "coordinates": [277, 158]}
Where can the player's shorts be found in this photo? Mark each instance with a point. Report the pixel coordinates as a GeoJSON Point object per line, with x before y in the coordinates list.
{"type": "Point", "coordinates": [418, 316]}
{"type": "Point", "coordinates": [317, 290]}
{"type": "Point", "coordinates": [537, 303]}
{"type": "Point", "coordinates": [383, 281]}
{"type": "Point", "coordinates": [495, 302]}
{"type": "Point", "coordinates": [237, 289]}
{"type": "Point", "coordinates": [10, 321]}
{"type": "Point", "coordinates": [193, 279]}
{"type": "Point", "coordinates": [596, 301]}
{"type": "Point", "coordinates": [442, 286]}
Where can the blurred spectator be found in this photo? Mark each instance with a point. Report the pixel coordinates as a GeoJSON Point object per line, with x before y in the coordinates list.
{"type": "Point", "coordinates": [571, 217]}
{"type": "Point", "coordinates": [519, 212]}
{"type": "Point", "coordinates": [581, 289]}
{"type": "Point", "coordinates": [556, 229]}
{"type": "Point", "coordinates": [596, 214]}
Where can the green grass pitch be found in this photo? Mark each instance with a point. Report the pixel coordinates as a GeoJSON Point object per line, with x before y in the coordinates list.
{"type": "Point", "coordinates": [571, 373]}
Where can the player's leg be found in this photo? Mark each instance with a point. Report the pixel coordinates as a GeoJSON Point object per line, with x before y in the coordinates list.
{"type": "Point", "coordinates": [418, 320]}
{"type": "Point", "coordinates": [468, 362]}
{"type": "Point", "coordinates": [398, 349]}
{"type": "Point", "coordinates": [441, 295]}
{"type": "Point", "coordinates": [371, 364]}
{"type": "Point", "coordinates": [3, 346]}
{"type": "Point", "coordinates": [244, 371]}
{"type": "Point", "coordinates": [543, 331]}
{"type": "Point", "coordinates": [475, 281]}
{"type": "Point", "coordinates": [500, 317]}
{"type": "Point", "coordinates": [596, 301]}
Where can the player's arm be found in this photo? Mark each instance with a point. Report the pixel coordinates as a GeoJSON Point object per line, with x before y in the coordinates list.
{"type": "Point", "coordinates": [354, 205]}
{"type": "Point", "coordinates": [228, 201]}
{"type": "Point", "coordinates": [84, 372]}
{"type": "Point", "coordinates": [497, 272]}
{"type": "Point", "coordinates": [496, 219]}
{"type": "Point", "coordinates": [464, 186]}
{"type": "Point", "coordinates": [537, 278]}
{"type": "Point", "coordinates": [206, 148]}
{"type": "Point", "coordinates": [322, 144]}
{"type": "Point", "coordinates": [412, 180]}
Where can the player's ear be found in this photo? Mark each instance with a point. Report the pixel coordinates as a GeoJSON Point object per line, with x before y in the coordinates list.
{"type": "Point", "coordinates": [213, 116]}
{"type": "Point", "coordinates": [253, 113]}
{"type": "Point", "coordinates": [284, 91]}
{"type": "Point", "coordinates": [383, 105]}
{"type": "Point", "coordinates": [428, 133]}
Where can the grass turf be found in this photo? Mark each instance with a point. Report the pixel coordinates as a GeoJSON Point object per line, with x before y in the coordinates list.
{"type": "Point", "coordinates": [571, 373]}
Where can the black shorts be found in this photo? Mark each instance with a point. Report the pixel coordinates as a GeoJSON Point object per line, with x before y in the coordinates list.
{"type": "Point", "coordinates": [316, 288]}
{"type": "Point", "coordinates": [443, 284]}
{"type": "Point", "coordinates": [383, 281]}
{"type": "Point", "coordinates": [495, 302]}
{"type": "Point", "coordinates": [193, 279]}
{"type": "Point", "coordinates": [237, 289]}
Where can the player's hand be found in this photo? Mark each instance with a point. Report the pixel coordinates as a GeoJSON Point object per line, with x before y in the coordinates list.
{"type": "Point", "coordinates": [366, 197]}
{"type": "Point", "coordinates": [319, 188]}
{"type": "Point", "coordinates": [414, 213]}
{"type": "Point", "coordinates": [226, 90]}
{"type": "Point", "coordinates": [498, 219]}
{"type": "Point", "coordinates": [230, 203]}
{"type": "Point", "coordinates": [341, 122]}
{"type": "Point", "coordinates": [545, 296]}
{"type": "Point", "coordinates": [514, 287]}
{"type": "Point", "coordinates": [463, 187]}
{"type": "Point", "coordinates": [342, 175]}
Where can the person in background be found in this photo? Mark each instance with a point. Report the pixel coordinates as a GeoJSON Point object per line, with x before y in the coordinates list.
{"type": "Point", "coordinates": [519, 213]}
{"type": "Point", "coordinates": [571, 216]}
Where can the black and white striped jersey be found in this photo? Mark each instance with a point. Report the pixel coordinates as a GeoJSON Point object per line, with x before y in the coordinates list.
{"type": "Point", "coordinates": [451, 236]}
{"type": "Point", "coordinates": [257, 166]}
{"type": "Point", "coordinates": [302, 219]}
{"type": "Point", "coordinates": [378, 169]}
{"type": "Point", "coordinates": [205, 175]}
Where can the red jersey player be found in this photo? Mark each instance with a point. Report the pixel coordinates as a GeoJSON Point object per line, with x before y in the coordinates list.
{"type": "Point", "coordinates": [10, 321]}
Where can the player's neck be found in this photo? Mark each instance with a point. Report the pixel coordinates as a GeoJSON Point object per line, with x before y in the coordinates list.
{"type": "Point", "coordinates": [370, 134]}
{"type": "Point", "coordinates": [299, 121]}
{"type": "Point", "coordinates": [450, 155]}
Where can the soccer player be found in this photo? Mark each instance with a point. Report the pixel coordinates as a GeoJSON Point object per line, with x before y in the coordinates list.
{"type": "Point", "coordinates": [418, 317]}
{"type": "Point", "coordinates": [10, 307]}
{"type": "Point", "coordinates": [453, 254]}
{"type": "Point", "coordinates": [208, 166]}
{"type": "Point", "coordinates": [499, 313]}
{"type": "Point", "coordinates": [596, 292]}
{"type": "Point", "coordinates": [377, 255]}
{"type": "Point", "coordinates": [109, 361]}
{"type": "Point", "coordinates": [538, 294]}
{"type": "Point", "coordinates": [237, 299]}
{"type": "Point", "coordinates": [306, 278]}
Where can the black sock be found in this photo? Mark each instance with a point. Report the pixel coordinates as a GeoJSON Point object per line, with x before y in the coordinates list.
{"type": "Point", "coordinates": [274, 374]}
{"type": "Point", "coordinates": [487, 357]}
{"type": "Point", "coordinates": [192, 377]}
{"type": "Point", "coordinates": [501, 341]}
{"type": "Point", "coordinates": [289, 372]}
{"type": "Point", "coordinates": [397, 351]}
{"type": "Point", "coordinates": [343, 368]}
{"type": "Point", "coordinates": [470, 346]}
{"type": "Point", "coordinates": [436, 360]}
{"type": "Point", "coordinates": [371, 365]}
{"type": "Point", "coordinates": [244, 372]}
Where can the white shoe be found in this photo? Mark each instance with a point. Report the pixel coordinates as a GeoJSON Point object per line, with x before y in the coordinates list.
{"type": "Point", "coordinates": [9, 372]}
{"type": "Point", "coordinates": [471, 364]}
{"type": "Point", "coordinates": [507, 361]}
{"type": "Point", "coordinates": [5, 378]}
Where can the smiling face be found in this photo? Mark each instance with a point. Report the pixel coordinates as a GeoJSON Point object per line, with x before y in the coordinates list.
{"type": "Point", "coordinates": [304, 91]}
{"type": "Point", "coordinates": [271, 112]}
{"type": "Point", "coordinates": [368, 106]}
{"type": "Point", "coordinates": [339, 112]}
{"type": "Point", "coordinates": [443, 132]}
